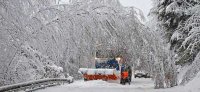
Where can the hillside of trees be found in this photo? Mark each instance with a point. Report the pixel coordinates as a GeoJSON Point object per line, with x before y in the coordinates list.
{"type": "Point", "coordinates": [45, 39]}
{"type": "Point", "coordinates": [48, 39]}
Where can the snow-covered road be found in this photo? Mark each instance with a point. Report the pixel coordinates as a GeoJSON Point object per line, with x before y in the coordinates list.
{"type": "Point", "coordinates": [137, 85]}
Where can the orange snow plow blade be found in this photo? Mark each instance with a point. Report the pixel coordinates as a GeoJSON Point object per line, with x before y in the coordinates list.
{"type": "Point", "coordinates": [99, 74]}
{"type": "Point", "coordinates": [99, 77]}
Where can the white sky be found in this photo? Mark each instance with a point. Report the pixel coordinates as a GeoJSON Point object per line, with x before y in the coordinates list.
{"type": "Point", "coordinates": [144, 5]}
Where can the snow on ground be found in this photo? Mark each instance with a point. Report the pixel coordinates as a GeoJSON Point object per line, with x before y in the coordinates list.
{"type": "Point", "coordinates": [137, 85]}
{"type": "Point", "coordinates": [192, 86]}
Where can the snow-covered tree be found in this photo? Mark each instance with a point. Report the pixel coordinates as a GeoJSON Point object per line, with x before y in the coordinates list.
{"type": "Point", "coordinates": [178, 23]}
{"type": "Point", "coordinates": [45, 39]}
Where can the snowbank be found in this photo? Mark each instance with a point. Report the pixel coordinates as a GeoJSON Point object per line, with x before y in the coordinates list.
{"type": "Point", "coordinates": [194, 85]}
{"type": "Point", "coordinates": [192, 71]}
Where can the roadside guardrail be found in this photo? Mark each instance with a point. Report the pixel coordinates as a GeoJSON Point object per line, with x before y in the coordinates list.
{"type": "Point", "coordinates": [35, 85]}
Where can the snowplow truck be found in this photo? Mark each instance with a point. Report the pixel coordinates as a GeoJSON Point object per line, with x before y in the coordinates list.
{"type": "Point", "coordinates": [107, 70]}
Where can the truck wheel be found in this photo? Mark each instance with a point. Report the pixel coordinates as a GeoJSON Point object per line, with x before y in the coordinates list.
{"type": "Point", "coordinates": [122, 82]}
{"type": "Point", "coordinates": [85, 79]}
